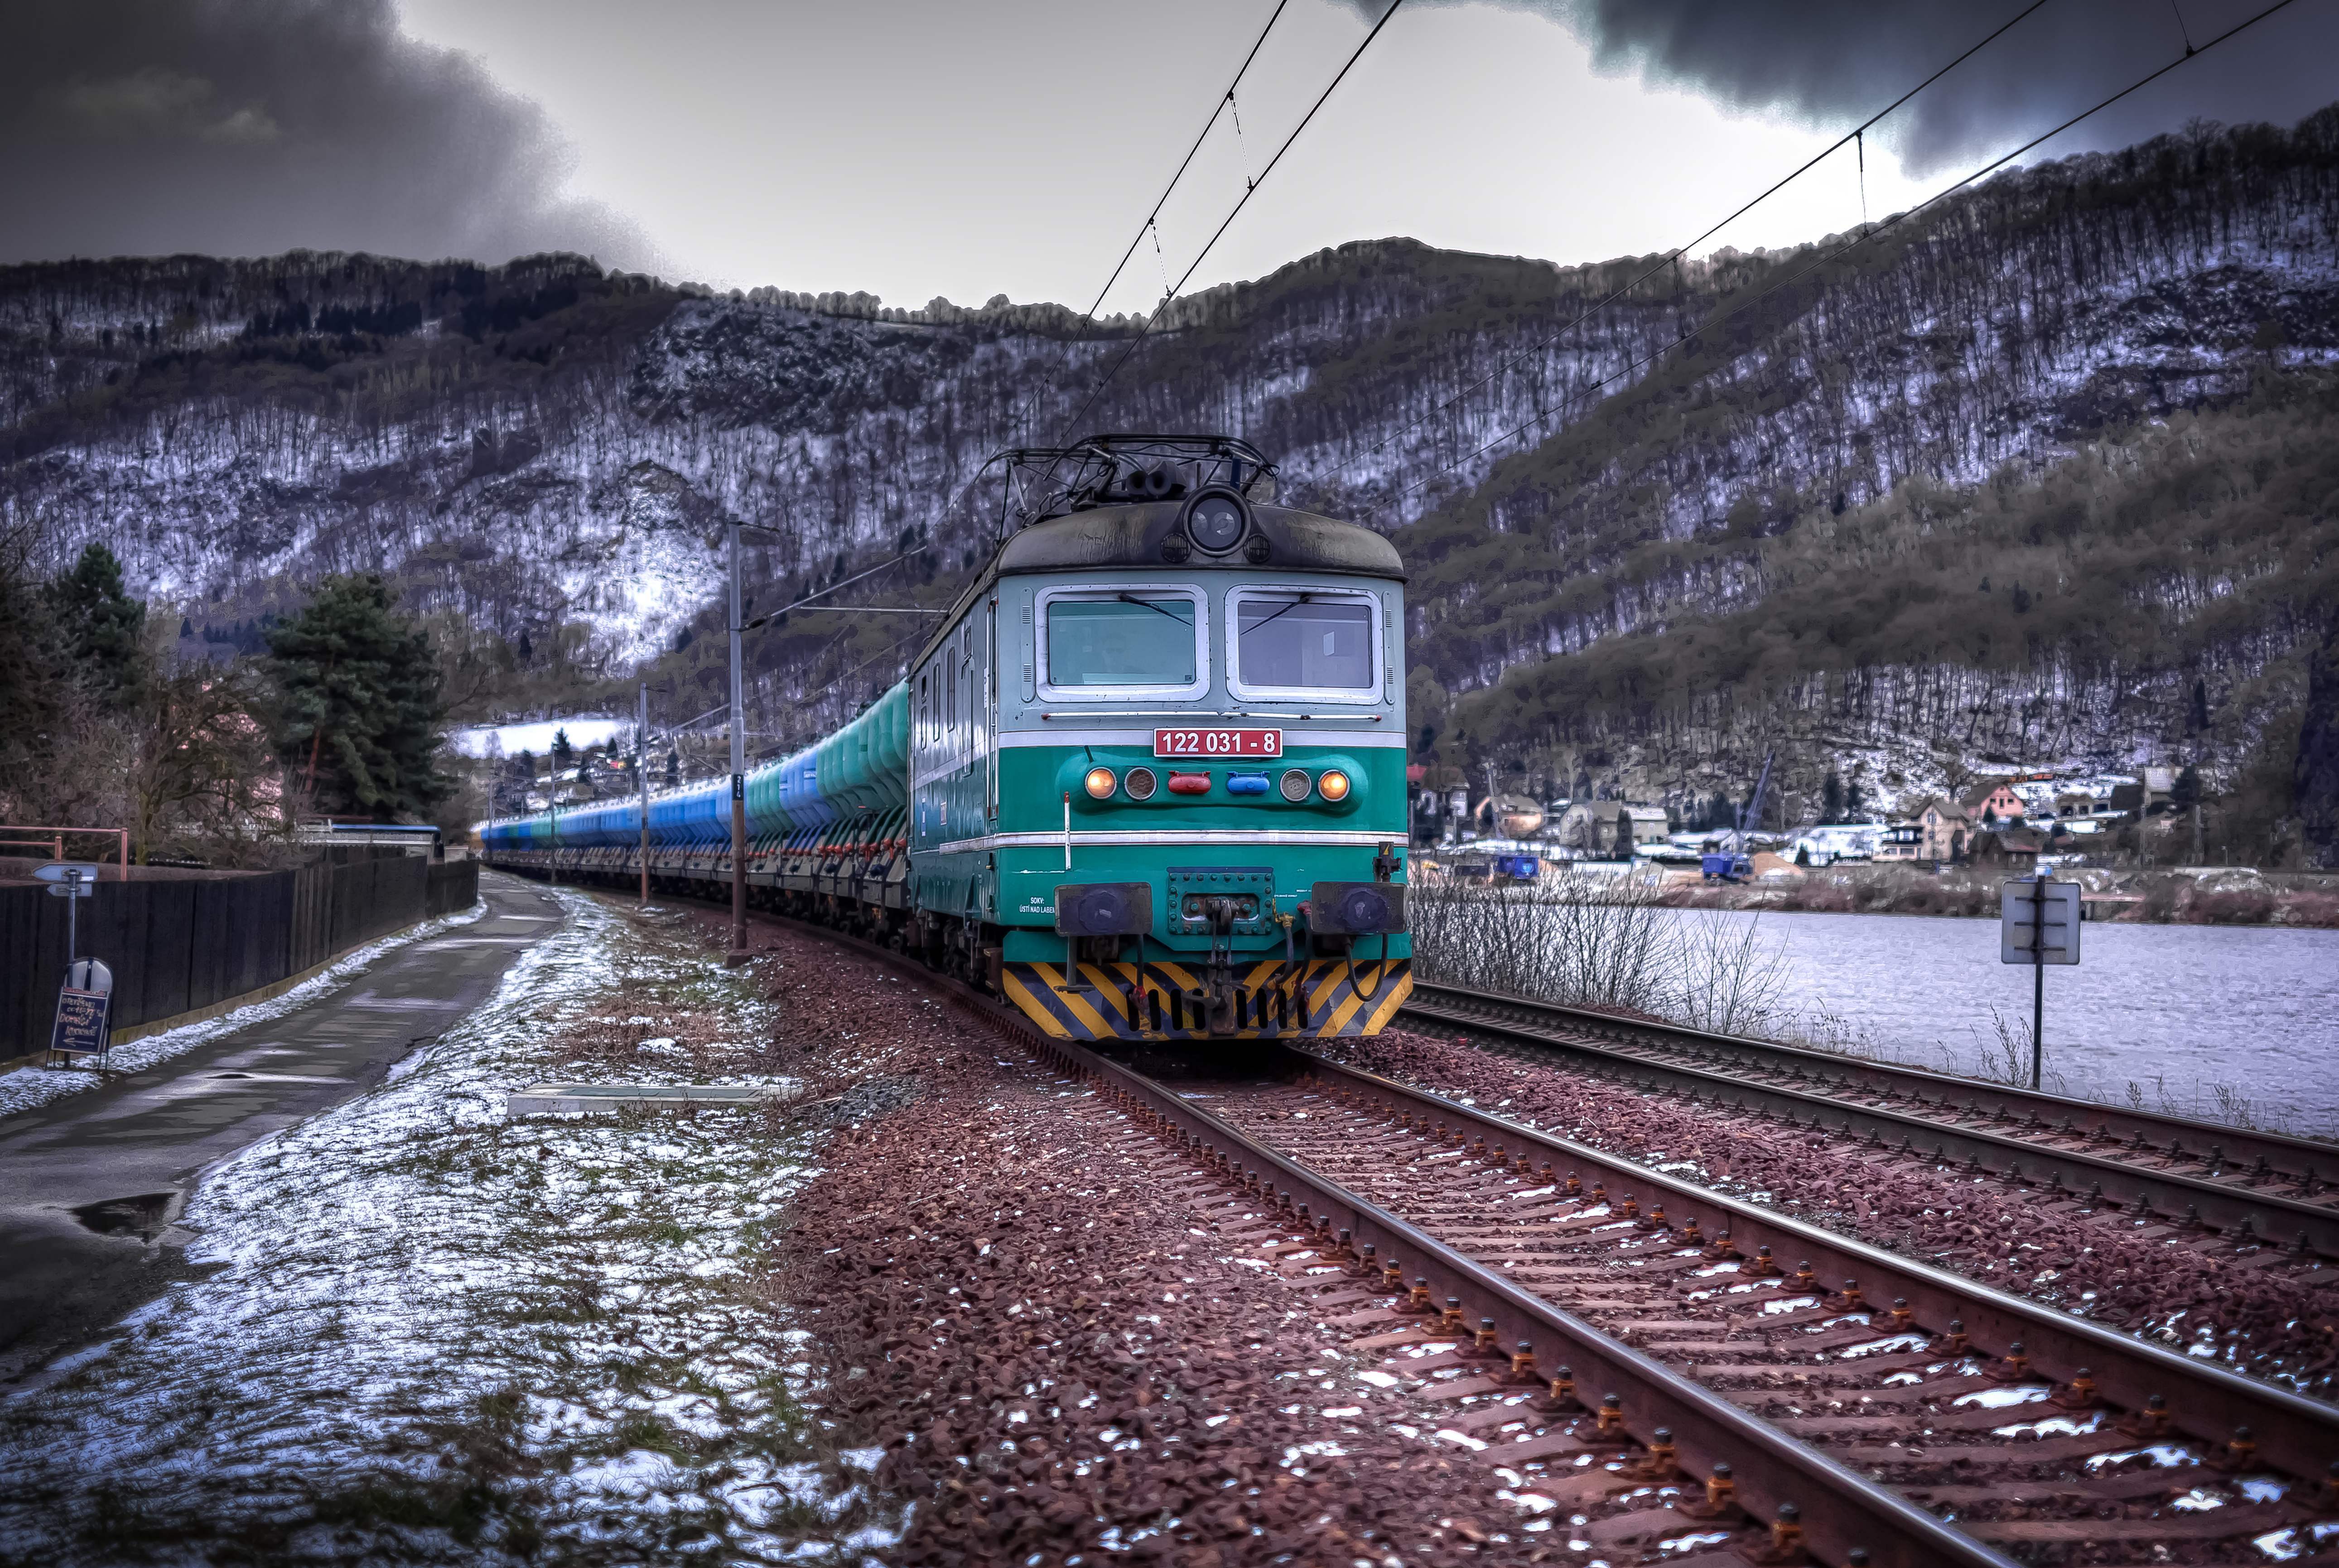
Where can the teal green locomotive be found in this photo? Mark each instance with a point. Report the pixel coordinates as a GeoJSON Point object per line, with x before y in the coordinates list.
{"type": "Point", "coordinates": [1146, 781]}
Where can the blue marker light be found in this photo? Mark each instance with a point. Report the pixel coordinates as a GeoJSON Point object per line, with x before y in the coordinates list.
{"type": "Point", "coordinates": [1246, 783]}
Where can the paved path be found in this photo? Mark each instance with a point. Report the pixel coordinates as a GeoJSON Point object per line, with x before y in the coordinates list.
{"type": "Point", "coordinates": [91, 1183]}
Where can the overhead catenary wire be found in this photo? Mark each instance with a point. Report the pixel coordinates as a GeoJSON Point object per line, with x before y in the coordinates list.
{"type": "Point", "coordinates": [1886, 226]}
{"type": "Point", "coordinates": [1225, 99]}
{"type": "Point", "coordinates": [1250, 189]}
{"type": "Point", "coordinates": [1855, 137]}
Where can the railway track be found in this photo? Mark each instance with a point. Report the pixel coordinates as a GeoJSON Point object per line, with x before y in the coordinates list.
{"type": "Point", "coordinates": [2249, 1186]}
{"type": "Point", "coordinates": [1672, 1371]}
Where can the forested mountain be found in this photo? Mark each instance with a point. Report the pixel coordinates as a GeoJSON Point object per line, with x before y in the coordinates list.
{"type": "Point", "coordinates": [2045, 472]}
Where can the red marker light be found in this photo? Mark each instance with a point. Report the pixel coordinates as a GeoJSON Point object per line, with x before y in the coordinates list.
{"type": "Point", "coordinates": [1189, 783]}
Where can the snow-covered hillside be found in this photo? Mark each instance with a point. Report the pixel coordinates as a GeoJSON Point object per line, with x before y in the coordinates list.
{"type": "Point", "coordinates": [544, 443]}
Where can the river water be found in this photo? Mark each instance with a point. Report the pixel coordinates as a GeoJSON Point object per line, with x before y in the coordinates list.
{"type": "Point", "coordinates": [2178, 1010]}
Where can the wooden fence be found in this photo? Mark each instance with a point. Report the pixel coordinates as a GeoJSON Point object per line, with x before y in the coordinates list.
{"type": "Point", "coordinates": [179, 944]}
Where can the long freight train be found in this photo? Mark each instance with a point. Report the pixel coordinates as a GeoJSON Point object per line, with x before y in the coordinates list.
{"type": "Point", "coordinates": [1147, 781]}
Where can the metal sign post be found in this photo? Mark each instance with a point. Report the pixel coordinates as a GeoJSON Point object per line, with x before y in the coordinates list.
{"type": "Point", "coordinates": [2037, 924]}
{"type": "Point", "coordinates": [69, 879]}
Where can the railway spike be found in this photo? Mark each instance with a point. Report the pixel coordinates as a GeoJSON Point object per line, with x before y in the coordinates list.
{"type": "Point", "coordinates": [1901, 1316]}
{"type": "Point", "coordinates": [1718, 1501]}
{"type": "Point", "coordinates": [2081, 1393]}
{"type": "Point", "coordinates": [1786, 1535]}
{"type": "Point", "coordinates": [2151, 1421]}
{"type": "Point", "coordinates": [1559, 1398]}
{"type": "Point", "coordinates": [2017, 1363]}
{"type": "Point", "coordinates": [1523, 1366]}
{"type": "Point", "coordinates": [2241, 1451]}
{"type": "Point", "coordinates": [1660, 1462]}
{"type": "Point", "coordinates": [1484, 1342]}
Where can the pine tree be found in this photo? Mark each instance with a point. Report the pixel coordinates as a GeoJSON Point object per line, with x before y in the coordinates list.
{"type": "Point", "coordinates": [360, 710]}
{"type": "Point", "coordinates": [563, 753]}
{"type": "Point", "coordinates": [2186, 793]}
{"type": "Point", "coordinates": [1831, 797]}
{"type": "Point", "coordinates": [100, 627]}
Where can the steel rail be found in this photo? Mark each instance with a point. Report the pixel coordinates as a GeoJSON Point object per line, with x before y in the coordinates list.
{"type": "Point", "coordinates": [2105, 1170]}
{"type": "Point", "coordinates": [1841, 1512]}
{"type": "Point", "coordinates": [2294, 1433]}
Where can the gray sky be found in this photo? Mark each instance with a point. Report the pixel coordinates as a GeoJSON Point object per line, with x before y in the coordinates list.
{"type": "Point", "coordinates": [914, 149]}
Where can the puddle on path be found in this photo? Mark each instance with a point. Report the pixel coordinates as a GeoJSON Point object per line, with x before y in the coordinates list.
{"type": "Point", "coordinates": [145, 1216]}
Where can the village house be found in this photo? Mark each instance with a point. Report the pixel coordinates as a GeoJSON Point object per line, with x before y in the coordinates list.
{"type": "Point", "coordinates": [1991, 802]}
{"type": "Point", "coordinates": [2012, 849]}
{"type": "Point", "coordinates": [1900, 841]}
{"type": "Point", "coordinates": [1939, 830]}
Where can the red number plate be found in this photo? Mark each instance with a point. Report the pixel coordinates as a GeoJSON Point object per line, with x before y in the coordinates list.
{"type": "Point", "coordinates": [1217, 743]}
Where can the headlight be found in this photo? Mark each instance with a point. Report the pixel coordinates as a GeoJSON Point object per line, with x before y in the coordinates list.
{"type": "Point", "coordinates": [1102, 784]}
{"type": "Point", "coordinates": [1333, 785]}
{"type": "Point", "coordinates": [1296, 784]}
{"type": "Point", "coordinates": [1215, 520]}
{"type": "Point", "coordinates": [1139, 784]}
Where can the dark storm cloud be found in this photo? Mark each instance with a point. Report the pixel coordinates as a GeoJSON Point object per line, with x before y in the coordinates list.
{"type": "Point", "coordinates": [1833, 63]}
{"type": "Point", "coordinates": [244, 127]}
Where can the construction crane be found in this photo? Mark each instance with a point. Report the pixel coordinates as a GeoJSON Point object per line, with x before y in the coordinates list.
{"type": "Point", "coordinates": [1734, 864]}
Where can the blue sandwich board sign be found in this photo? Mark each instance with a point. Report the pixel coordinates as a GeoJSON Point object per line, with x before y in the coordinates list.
{"type": "Point", "coordinates": [81, 1026]}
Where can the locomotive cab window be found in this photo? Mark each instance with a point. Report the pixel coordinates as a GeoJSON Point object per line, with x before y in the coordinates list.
{"type": "Point", "coordinates": [1303, 643]}
{"type": "Point", "coordinates": [1098, 642]}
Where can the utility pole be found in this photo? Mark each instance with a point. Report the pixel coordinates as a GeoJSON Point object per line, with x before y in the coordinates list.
{"type": "Point", "coordinates": [738, 953]}
{"type": "Point", "coordinates": [642, 783]}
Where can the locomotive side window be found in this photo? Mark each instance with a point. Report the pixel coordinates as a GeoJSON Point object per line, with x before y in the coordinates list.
{"type": "Point", "coordinates": [1305, 642]}
{"type": "Point", "coordinates": [1143, 638]}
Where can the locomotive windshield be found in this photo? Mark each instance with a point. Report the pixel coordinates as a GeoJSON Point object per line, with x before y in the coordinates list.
{"type": "Point", "coordinates": [1125, 637]}
{"type": "Point", "coordinates": [1290, 640]}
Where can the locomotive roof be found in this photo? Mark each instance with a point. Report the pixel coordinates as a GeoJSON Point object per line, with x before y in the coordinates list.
{"type": "Point", "coordinates": [1132, 535]}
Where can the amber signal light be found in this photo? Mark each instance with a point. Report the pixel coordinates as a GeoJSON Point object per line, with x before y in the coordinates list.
{"type": "Point", "coordinates": [1100, 783]}
{"type": "Point", "coordinates": [1333, 785]}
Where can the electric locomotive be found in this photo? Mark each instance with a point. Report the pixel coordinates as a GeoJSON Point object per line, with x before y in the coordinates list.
{"type": "Point", "coordinates": [1146, 781]}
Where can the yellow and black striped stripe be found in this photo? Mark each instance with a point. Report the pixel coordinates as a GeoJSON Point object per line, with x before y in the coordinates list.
{"type": "Point", "coordinates": [1098, 1002]}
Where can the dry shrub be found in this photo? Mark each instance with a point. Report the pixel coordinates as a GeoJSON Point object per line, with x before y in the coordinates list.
{"type": "Point", "coordinates": [2316, 909]}
{"type": "Point", "coordinates": [2242, 906]}
{"type": "Point", "coordinates": [1613, 946]}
